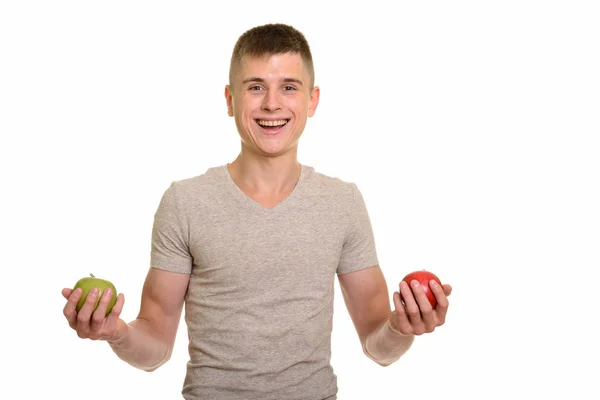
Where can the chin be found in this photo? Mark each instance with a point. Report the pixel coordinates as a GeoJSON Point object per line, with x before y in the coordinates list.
{"type": "Point", "coordinates": [272, 148]}
{"type": "Point", "coordinates": [272, 153]}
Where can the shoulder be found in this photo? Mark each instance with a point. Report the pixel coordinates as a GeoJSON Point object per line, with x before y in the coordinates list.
{"type": "Point", "coordinates": [341, 189]}
{"type": "Point", "coordinates": [208, 184]}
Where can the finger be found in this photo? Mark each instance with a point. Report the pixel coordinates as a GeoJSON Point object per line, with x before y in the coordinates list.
{"type": "Point", "coordinates": [420, 296]}
{"type": "Point", "coordinates": [425, 307]}
{"type": "Point", "coordinates": [442, 302]}
{"type": "Point", "coordinates": [84, 315]}
{"type": "Point", "coordinates": [447, 289]}
{"type": "Point", "coordinates": [99, 314]}
{"type": "Point", "coordinates": [438, 292]}
{"type": "Point", "coordinates": [111, 326]}
{"type": "Point", "coordinates": [66, 292]}
{"type": "Point", "coordinates": [412, 308]}
{"type": "Point", "coordinates": [113, 317]}
{"type": "Point", "coordinates": [403, 321]}
{"type": "Point", "coordinates": [70, 309]}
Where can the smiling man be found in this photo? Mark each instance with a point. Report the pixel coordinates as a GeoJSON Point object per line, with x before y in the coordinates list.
{"type": "Point", "coordinates": [251, 248]}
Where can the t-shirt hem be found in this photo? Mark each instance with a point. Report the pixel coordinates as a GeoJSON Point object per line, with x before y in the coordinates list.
{"type": "Point", "coordinates": [358, 267]}
{"type": "Point", "coordinates": [180, 269]}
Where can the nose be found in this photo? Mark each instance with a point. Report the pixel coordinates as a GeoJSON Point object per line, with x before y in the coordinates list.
{"type": "Point", "coordinates": [271, 101]}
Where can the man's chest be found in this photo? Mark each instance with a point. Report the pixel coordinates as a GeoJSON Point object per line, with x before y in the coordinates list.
{"type": "Point", "coordinates": [252, 250]}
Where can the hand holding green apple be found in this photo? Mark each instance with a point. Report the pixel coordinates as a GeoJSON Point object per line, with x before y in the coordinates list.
{"type": "Point", "coordinates": [88, 283]}
{"type": "Point", "coordinates": [93, 309]}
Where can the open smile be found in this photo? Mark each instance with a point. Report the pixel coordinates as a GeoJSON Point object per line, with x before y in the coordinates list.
{"type": "Point", "coordinates": [271, 126]}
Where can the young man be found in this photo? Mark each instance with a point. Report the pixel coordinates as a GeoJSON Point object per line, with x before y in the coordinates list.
{"type": "Point", "coordinates": [252, 248]}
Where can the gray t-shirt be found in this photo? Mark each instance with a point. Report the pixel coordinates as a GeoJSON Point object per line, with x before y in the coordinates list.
{"type": "Point", "coordinates": [259, 304]}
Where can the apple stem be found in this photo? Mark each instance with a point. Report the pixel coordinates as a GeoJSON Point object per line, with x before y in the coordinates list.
{"type": "Point", "coordinates": [92, 275]}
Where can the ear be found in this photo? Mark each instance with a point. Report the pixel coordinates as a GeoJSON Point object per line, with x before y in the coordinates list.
{"type": "Point", "coordinates": [314, 101]}
{"type": "Point", "coordinates": [229, 100]}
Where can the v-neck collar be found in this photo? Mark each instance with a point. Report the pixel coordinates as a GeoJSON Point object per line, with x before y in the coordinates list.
{"type": "Point", "coordinates": [242, 196]}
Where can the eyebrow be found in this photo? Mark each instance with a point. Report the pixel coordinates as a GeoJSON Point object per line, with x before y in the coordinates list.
{"type": "Point", "coordinates": [261, 80]}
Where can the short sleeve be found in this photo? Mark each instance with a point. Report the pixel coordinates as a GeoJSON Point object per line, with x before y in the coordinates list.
{"type": "Point", "coordinates": [359, 249]}
{"type": "Point", "coordinates": [170, 238]}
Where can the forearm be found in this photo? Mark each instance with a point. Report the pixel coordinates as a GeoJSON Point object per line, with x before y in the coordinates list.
{"type": "Point", "coordinates": [140, 347]}
{"type": "Point", "coordinates": [385, 345]}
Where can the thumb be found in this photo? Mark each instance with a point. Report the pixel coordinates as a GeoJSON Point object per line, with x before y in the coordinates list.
{"type": "Point", "coordinates": [447, 289]}
{"type": "Point", "coordinates": [66, 292]}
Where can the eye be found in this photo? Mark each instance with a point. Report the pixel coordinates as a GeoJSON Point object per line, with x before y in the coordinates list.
{"type": "Point", "coordinates": [254, 88]}
{"type": "Point", "coordinates": [289, 88]}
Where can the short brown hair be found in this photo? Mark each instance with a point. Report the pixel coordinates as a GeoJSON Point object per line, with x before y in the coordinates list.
{"type": "Point", "coordinates": [272, 39]}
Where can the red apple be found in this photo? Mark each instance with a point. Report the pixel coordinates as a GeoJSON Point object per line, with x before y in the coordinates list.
{"type": "Point", "coordinates": [423, 277]}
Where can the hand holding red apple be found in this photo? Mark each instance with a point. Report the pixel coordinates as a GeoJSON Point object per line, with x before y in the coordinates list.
{"type": "Point", "coordinates": [423, 277]}
{"type": "Point", "coordinates": [421, 303]}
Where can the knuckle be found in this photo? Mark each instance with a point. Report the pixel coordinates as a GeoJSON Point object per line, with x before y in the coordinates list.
{"type": "Point", "coordinates": [98, 317]}
{"type": "Point", "coordinates": [427, 314]}
{"type": "Point", "coordinates": [405, 331]}
{"type": "Point", "coordinates": [427, 308]}
{"type": "Point", "coordinates": [70, 316]}
{"type": "Point", "coordinates": [412, 309]}
{"type": "Point", "coordinates": [82, 319]}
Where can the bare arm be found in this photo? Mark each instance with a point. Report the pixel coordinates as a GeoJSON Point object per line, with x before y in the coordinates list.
{"type": "Point", "coordinates": [147, 342]}
{"type": "Point", "coordinates": [367, 299]}
{"type": "Point", "coordinates": [386, 335]}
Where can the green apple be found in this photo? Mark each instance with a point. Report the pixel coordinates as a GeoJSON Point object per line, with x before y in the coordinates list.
{"type": "Point", "coordinates": [88, 283]}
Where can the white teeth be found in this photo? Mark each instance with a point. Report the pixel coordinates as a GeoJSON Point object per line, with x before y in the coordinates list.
{"type": "Point", "coordinates": [263, 122]}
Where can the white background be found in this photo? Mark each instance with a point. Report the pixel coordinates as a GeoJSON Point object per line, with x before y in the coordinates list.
{"type": "Point", "coordinates": [471, 127]}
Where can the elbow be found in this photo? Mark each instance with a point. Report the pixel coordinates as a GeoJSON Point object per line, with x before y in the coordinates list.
{"type": "Point", "coordinates": [385, 356]}
{"type": "Point", "coordinates": [381, 362]}
{"type": "Point", "coordinates": [156, 366]}
{"type": "Point", "coordinates": [387, 363]}
{"type": "Point", "coordinates": [153, 367]}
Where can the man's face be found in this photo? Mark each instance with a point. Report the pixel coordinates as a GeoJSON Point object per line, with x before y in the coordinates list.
{"type": "Point", "coordinates": [271, 99]}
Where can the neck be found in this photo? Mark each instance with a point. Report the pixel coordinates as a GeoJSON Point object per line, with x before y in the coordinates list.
{"type": "Point", "coordinates": [261, 174]}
